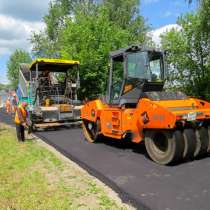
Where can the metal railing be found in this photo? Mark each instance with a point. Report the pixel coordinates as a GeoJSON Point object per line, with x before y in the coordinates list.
{"type": "Point", "coordinates": [23, 85]}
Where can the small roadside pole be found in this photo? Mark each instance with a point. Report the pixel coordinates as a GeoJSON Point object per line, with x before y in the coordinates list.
{"type": "Point", "coordinates": [0, 108]}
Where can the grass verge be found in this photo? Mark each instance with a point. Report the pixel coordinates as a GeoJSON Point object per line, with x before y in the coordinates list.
{"type": "Point", "coordinates": [34, 178]}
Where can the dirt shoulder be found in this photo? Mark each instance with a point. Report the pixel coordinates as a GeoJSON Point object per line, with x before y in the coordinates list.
{"type": "Point", "coordinates": [35, 176]}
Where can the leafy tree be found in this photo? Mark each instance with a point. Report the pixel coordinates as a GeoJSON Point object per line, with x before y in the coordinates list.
{"type": "Point", "coordinates": [204, 14]}
{"type": "Point", "coordinates": [90, 38]}
{"type": "Point", "coordinates": [45, 44]}
{"type": "Point", "coordinates": [87, 30]}
{"type": "Point", "coordinates": [19, 56]}
{"type": "Point", "coordinates": [189, 56]}
{"type": "Point", "coordinates": [4, 86]}
{"type": "Point", "coordinates": [125, 13]}
{"type": "Point", "coordinates": [43, 47]}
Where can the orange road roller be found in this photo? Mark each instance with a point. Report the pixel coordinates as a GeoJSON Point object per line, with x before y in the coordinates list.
{"type": "Point", "coordinates": [172, 125]}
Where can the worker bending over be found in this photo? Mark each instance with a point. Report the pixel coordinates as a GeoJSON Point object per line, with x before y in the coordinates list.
{"type": "Point", "coordinates": [21, 121]}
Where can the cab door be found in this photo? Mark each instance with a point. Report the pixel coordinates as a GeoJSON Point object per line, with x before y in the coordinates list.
{"type": "Point", "coordinates": [116, 79]}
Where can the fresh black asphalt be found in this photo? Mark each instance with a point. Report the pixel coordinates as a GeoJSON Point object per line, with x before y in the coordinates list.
{"type": "Point", "coordinates": [127, 169]}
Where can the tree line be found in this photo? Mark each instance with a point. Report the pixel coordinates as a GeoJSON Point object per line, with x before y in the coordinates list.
{"type": "Point", "coordinates": [189, 52]}
{"type": "Point", "coordinates": [87, 30]}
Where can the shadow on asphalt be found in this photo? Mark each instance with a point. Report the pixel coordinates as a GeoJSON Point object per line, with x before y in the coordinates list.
{"type": "Point", "coordinates": [124, 145]}
{"type": "Point", "coordinates": [141, 150]}
{"type": "Point", "coordinates": [63, 127]}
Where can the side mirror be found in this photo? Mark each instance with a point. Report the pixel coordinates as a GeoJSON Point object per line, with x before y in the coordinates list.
{"type": "Point", "coordinates": [166, 66]}
{"type": "Point", "coordinates": [166, 71]}
{"type": "Point", "coordinates": [78, 79]}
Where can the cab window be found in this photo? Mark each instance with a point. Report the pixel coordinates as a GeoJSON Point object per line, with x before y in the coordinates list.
{"type": "Point", "coordinates": [136, 65]}
{"type": "Point", "coordinates": [156, 67]}
{"type": "Point", "coordinates": [117, 77]}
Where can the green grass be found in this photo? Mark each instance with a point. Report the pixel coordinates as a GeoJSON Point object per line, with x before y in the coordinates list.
{"type": "Point", "coordinates": [33, 178]}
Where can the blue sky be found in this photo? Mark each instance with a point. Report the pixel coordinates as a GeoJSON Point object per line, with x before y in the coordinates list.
{"type": "Point", "coordinates": [3, 61]}
{"type": "Point", "coordinates": [18, 18]}
{"type": "Point", "coordinates": [159, 13]}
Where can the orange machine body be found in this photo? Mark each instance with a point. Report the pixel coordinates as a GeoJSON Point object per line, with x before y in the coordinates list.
{"type": "Point", "coordinates": [117, 121]}
{"type": "Point", "coordinates": [137, 107]}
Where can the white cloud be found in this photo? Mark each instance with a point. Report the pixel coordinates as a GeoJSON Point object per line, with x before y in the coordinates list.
{"type": "Point", "coordinates": [16, 33]}
{"type": "Point", "coordinates": [155, 34]}
{"type": "Point", "coordinates": [24, 9]}
{"type": "Point", "coordinates": [18, 18]}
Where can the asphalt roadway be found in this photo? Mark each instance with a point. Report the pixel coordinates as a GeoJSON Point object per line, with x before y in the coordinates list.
{"type": "Point", "coordinates": [126, 168]}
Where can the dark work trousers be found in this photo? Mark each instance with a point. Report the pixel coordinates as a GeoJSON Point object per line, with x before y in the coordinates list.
{"type": "Point", "coordinates": [20, 132]}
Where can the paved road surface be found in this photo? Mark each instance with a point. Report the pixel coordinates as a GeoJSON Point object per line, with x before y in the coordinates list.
{"type": "Point", "coordinates": [127, 169]}
{"type": "Point", "coordinates": [5, 118]}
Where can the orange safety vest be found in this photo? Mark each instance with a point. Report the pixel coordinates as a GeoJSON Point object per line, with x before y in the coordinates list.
{"type": "Point", "coordinates": [8, 103]}
{"type": "Point", "coordinates": [20, 115]}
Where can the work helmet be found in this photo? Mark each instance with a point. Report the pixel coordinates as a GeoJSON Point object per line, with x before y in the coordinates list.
{"type": "Point", "coordinates": [24, 104]}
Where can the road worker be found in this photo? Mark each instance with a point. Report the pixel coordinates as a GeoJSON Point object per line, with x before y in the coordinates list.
{"type": "Point", "coordinates": [21, 121]}
{"type": "Point", "coordinates": [14, 103]}
{"type": "Point", "coordinates": [8, 105]}
{"type": "Point", "coordinates": [44, 79]}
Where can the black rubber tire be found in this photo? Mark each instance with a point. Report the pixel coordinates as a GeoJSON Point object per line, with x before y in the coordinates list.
{"type": "Point", "coordinates": [174, 148]}
{"type": "Point", "coordinates": [189, 143]}
{"type": "Point", "coordinates": [94, 135]}
{"type": "Point", "coordinates": [202, 141]}
{"type": "Point", "coordinates": [33, 128]}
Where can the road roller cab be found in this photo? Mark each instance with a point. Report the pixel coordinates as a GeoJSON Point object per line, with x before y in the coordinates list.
{"type": "Point", "coordinates": [136, 107]}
